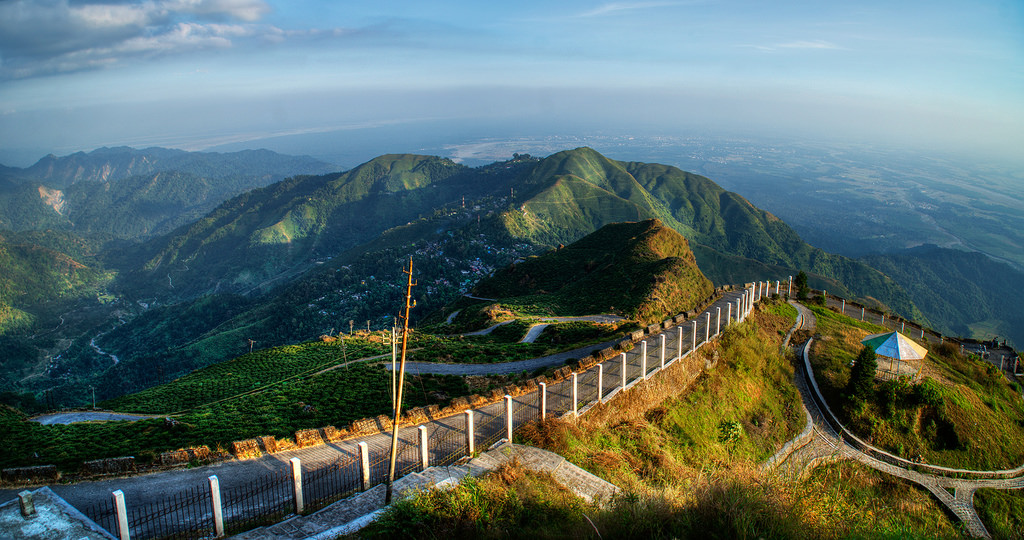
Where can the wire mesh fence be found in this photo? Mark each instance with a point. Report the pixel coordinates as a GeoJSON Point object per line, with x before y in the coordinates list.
{"type": "Point", "coordinates": [268, 498]}
{"type": "Point", "coordinates": [184, 515]}
{"type": "Point", "coordinates": [323, 486]}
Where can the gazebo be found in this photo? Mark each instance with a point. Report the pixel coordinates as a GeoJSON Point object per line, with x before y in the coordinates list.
{"type": "Point", "coordinates": [899, 349]}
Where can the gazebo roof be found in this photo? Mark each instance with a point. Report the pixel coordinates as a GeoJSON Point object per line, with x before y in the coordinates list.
{"type": "Point", "coordinates": [895, 345]}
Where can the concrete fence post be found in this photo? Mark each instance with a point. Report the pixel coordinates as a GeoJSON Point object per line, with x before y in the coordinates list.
{"type": "Point", "coordinates": [218, 508]}
{"type": "Point", "coordinates": [544, 400]}
{"type": "Point", "coordinates": [575, 395]}
{"type": "Point", "coordinates": [922, 333]}
{"type": "Point", "coordinates": [694, 348]}
{"type": "Point", "coordinates": [623, 357]}
{"type": "Point", "coordinates": [508, 418]}
{"type": "Point", "coordinates": [661, 352]}
{"type": "Point", "coordinates": [643, 359]}
{"type": "Point", "coordinates": [728, 314]}
{"type": "Point", "coordinates": [424, 448]}
{"type": "Point", "coordinates": [777, 287]}
{"type": "Point", "coordinates": [843, 309]}
{"type": "Point", "coordinates": [470, 435]}
{"type": "Point", "coordinates": [789, 290]}
{"type": "Point", "coordinates": [600, 383]}
{"type": "Point", "coordinates": [707, 326]}
{"type": "Point", "coordinates": [903, 326]}
{"type": "Point", "coordinates": [862, 314]}
{"type": "Point", "coordinates": [718, 320]}
{"type": "Point", "coordinates": [738, 312]}
{"type": "Point", "coordinates": [679, 343]}
{"type": "Point", "coordinates": [297, 483]}
{"type": "Point", "coordinates": [122, 515]}
{"type": "Point", "coordinates": [364, 465]}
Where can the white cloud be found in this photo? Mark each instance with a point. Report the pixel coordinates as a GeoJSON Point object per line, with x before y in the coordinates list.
{"type": "Point", "coordinates": [616, 7]}
{"type": "Point", "coordinates": [52, 36]}
{"type": "Point", "coordinates": [815, 44]}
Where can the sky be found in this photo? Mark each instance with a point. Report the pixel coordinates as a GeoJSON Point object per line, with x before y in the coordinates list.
{"type": "Point", "coordinates": [194, 74]}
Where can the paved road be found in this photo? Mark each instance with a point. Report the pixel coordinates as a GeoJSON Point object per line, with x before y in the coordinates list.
{"type": "Point", "coordinates": [827, 445]}
{"type": "Point", "coordinates": [86, 416]}
{"type": "Point", "coordinates": [447, 439]}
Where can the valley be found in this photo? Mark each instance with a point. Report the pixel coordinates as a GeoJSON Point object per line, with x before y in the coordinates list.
{"type": "Point", "coordinates": [269, 316]}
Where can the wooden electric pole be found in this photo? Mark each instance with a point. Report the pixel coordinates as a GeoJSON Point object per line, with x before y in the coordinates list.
{"type": "Point", "coordinates": [401, 380]}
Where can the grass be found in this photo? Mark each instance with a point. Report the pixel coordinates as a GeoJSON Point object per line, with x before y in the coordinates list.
{"type": "Point", "coordinates": [1002, 511]}
{"type": "Point", "coordinates": [335, 397]}
{"type": "Point", "coordinates": [673, 435]}
{"type": "Point", "coordinates": [683, 475]}
{"type": "Point", "coordinates": [963, 415]}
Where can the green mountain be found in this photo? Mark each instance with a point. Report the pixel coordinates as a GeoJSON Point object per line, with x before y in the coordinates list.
{"type": "Point", "coordinates": [642, 270]}
{"type": "Point", "coordinates": [114, 164]}
{"type": "Point", "coordinates": [577, 191]}
{"type": "Point", "coordinates": [966, 294]}
{"type": "Point", "coordinates": [314, 254]}
{"type": "Point", "coordinates": [282, 230]}
{"type": "Point", "coordinates": [131, 194]}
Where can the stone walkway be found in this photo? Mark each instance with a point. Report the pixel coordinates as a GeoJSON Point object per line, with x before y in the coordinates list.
{"type": "Point", "coordinates": [826, 445]}
{"type": "Point", "coordinates": [349, 515]}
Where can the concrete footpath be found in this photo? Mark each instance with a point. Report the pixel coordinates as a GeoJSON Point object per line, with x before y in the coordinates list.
{"type": "Point", "coordinates": [349, 515]}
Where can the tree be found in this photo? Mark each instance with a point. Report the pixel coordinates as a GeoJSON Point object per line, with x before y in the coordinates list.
{"type": "Point", "coordinates": [801, 285]}
{"type": "Point", "coordinates": [862, 376]}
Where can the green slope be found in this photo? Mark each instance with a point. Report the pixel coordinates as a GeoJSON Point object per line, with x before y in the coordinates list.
{"type": "Point", "coordinates": [280, 230]}
{"type": "Point", "coordinates": [961, 292]}
{"type": "Point", "coordinates": [577, 191]}
{"type": "Point", "coordinates": [642, 270]}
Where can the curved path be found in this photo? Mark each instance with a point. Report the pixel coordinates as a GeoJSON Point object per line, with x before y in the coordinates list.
{"type": "Point", "coordinates": [87, 416]}
{"type": "Point", "coordinates": [827, 445]}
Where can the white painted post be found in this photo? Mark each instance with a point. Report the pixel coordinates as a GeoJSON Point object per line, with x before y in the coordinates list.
{"type": "Point", "coordinates": [623, 357]}
{"type": "Point", "coordinates": [600, 383]}
{"type": "Point", "coordinates": [470, 438]}
{"type": "Point", "coordinates": [662, 352]}
{"type": "Point", "coordinates": [364, 464]}
{"type": "Point", "coordinates": [718, 320]}
{"type": "Point", "coordinates": [508, 418]}
{"type": "Point", "coordinates": [297, 483]}
{"type": "Point", "coordinates": [883, 319]}
{"type": "Point", "coordinates": [862, 314]}
{"type": "Point", "coordinates": [218, 508]}
{"type": "Point", "coordinates": [739, 312]}
{"type": "Point", "coordinates": [922, 333]}
{"type": "Point", "coordinates": [760, 289]}
{"type": "Point", "coordinates": [824, 294]}
{"type": "Point", "coordinates": [903, 326]}
{"type": "Point", "coordinates": [777, 287]}
{"type": "Point", "coordinates": [694, 335]}
{"type": "Point", "coordinates": [544, 400]}
{"type": "Point", "coordinates": [575, 395]}
{"type": "Point", "coordinates": [424, 450]}
{"type": "Point", "coordinates": [843, 309]}
{"type": "Point", "coordinates": [728, 314]}
{"type": "Point", "coordinates": [789, 290]}
{"type": "Point", "coordinates": [643, 358]}
{"type": "Point", "coordinates": [707, 326]}
{"type": "Point", "coordinates": [679, 343]}
{"type": "Point", "coordinates": [1002, 360]}
{"type": "Point", "coordinates": [122, 515]}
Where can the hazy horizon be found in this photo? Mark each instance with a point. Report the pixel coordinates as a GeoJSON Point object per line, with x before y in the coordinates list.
{"type": "Point", "coordinates": [201, 74]}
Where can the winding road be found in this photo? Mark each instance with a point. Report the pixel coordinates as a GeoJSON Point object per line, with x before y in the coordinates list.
{"type": "Point", "coordinates": [827, 445]}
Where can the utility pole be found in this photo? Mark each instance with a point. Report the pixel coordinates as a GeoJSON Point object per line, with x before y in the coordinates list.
{"type": "Point", "coordinates": [401, 380]}
{"type": "Point", "coordinates": [251, 342]}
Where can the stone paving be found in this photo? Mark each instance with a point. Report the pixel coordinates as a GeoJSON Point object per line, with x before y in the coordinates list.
{"type": "Point", "coordinates": [827, 445]}
{"type": "Point", "coordinates": [351, 514]}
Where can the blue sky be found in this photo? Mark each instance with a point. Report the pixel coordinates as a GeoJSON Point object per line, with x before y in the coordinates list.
{"type": "Point", "coordinates": [196, 73]}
